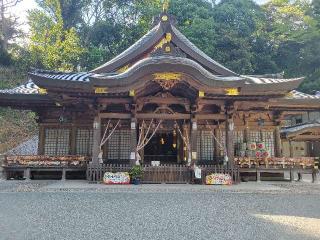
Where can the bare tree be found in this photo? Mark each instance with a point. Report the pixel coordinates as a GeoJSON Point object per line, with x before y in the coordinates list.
{"type": "Point", "coordinates": [8, 23]}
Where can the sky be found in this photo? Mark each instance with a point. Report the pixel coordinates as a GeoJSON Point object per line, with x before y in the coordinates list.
{"type": "Point", "coordinates": [21, 10]}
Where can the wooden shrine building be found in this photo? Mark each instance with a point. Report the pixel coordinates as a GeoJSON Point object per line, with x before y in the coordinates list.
{"type": "Point", "coordinates": [161, 102]}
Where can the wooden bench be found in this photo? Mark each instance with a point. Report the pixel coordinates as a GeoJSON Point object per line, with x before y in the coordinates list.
{"type": "Point", "coordinates": [290, 171]}
{"type": "Point", "coordinates": [27, 164]}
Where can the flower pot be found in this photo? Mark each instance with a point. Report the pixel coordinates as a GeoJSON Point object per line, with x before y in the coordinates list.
{"type": "Point", "coordinates": [136, 181]}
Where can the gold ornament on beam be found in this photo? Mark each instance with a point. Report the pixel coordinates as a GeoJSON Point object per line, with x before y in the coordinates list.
{"type": "Point", "coordinates": [168, 37]}
{"type": "Point", "coordinates": [167, 80]}
{"type": "Point", "coordinates": [42, 91]}
{"type": "Point", "coordinates": [167, 76]}
{"type": "Point", "coordinates": [232, 91]}
{"type": "Point", "coordinates": [123, 69]}
{"type": "Point", "coordinates": [201, 94]}
{"type": "Point", "coordinates": [289, 95]}
{"type": "Point", "coordinates": [100, 90]}
{"type": "Point", "coordinates": [132, 93]}
{"type": "Point", "coordinates": [163, 41]}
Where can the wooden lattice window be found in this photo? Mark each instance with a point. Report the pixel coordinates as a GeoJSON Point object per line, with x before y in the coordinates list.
{"type": "Point", "coordinates": [268, 139]}
{"type": "Point", "coordinates": [255, 136]}
{"type": "Point", "coordinates": [238, 139]}
{"type": "Point", "coordinates": [57, 141]}
{"type": "Point", "coordinates": [118, 147]}
{"type": "Point", "coordinates": [84, 141]}
{"type": "Point", "coordinates": [222, 140]}
{"type": "Point", "coordinates": [205, 146]}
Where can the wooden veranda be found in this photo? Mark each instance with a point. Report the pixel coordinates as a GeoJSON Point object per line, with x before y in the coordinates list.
{"type": "Point", "coordinates": [166, 173]}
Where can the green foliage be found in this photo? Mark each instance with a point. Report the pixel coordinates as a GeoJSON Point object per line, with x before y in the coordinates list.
{"type": "Point", "coordinates": [15, 126]}
{"type": "Point", "coordinates": [136, 172]}
{"type": "Point", "coordinates": [194, 19]}
{"type": "Point", "coordinates": [51, 45]}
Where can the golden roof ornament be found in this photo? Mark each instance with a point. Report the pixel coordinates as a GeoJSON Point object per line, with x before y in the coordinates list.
{"type": "Point", "coordinates": [165, 5]}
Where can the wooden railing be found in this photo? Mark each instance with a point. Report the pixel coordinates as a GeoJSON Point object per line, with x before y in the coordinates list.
{"type": "Point", "coordinates": [166, 173]}
{"type": "Point", "coordinates": [232, 170]}
{"type": "Point", "coordinates": [95, 172]}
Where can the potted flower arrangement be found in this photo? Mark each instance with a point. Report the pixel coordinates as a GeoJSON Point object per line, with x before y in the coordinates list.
{"type": "Point", "coordinates": [136, 173]}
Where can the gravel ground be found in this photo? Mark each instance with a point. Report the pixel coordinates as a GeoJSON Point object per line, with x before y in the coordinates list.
{"type": "Point", "coordinates": [77, 210]}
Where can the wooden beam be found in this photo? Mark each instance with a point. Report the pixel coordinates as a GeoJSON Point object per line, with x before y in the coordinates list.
{"type": "Point", "coordinates": [163, 116]}
{"type": "Point", "coordinates": [116, 115]}
{"type": "Point", "coordinates": [211, 116]}
{"type": "Point", "coordinates": [306, 138]}
{"type": "Point", "coordinates": [210, 102]}
{"type": "Point", "coordinates": [162, 100]}
{"type": "Point", "coordinates": [114, 100]}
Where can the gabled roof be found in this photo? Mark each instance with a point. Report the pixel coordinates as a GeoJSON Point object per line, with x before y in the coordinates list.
{"type": "Point", "coordinates": [300, 95]}
{"type": "Point", "coordinates": [306, 131]}
{"type": "Point", "coordinates": [146, 57]}
{"type": "Point", "coordinates": [26, 96]}
{"type": "Point", "coordinates": [27, 88]}
{"type": "Point", "coordinates": [154, 36]}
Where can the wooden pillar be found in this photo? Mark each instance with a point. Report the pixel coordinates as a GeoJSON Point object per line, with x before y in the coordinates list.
{"type": "Point", "coordinates": [229, 139]}
{"type": "Point", "coordinates": [64, 174]}
{"type": "Point", "coordinates": [42, 139]}
{"type": "Point", "coordinates": [96, 139]}
{"type": "Point", "coordinates": [27, 174]}
{"type": "Point", "coordinates": [186, 152]}
{"type": "Point", "coordinates": [258, 175]}
{"type": "Point", "coordinates": [193, 139]}
{"type": "Point", "coordinates": [246, 135]}
{"type": "Point", "coordinates": [216, 144]}
{"type": "Point", "coordinates": [73, 136]}
{"type": "Point", "coordinates": [277, 142]}
{"type": "Point", "coordinates": [133, 144]}
{"type": "Point", "coordinates": [291, 148]}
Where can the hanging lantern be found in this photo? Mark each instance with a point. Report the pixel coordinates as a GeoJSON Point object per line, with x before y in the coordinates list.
{"type": "Point", "coordinates": [260, 122]}
{"type": "Point", "coordinates": [62, 119]}
{"type": "Point", "coordinates": [231, 125]}
{"type": "Point", "coordinates": [96, 125]}
{"type": "Point", "coordinates": [174, 144]}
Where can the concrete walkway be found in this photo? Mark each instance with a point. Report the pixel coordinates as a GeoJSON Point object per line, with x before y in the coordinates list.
{"type": "Point", "coordinates": [78, 185]}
